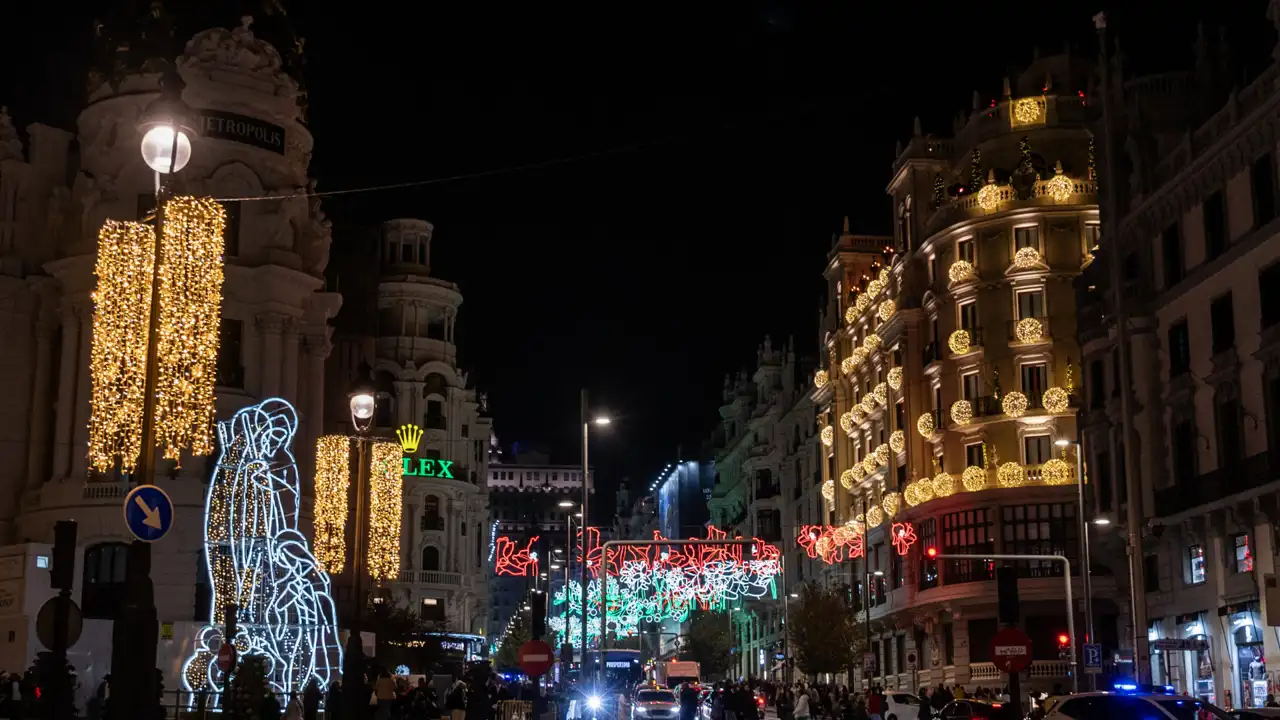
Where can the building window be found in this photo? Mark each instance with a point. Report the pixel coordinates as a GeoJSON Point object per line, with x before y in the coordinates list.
{"type": "Point", "coordinates": [934, 273]}
{"type": "Point", "coordinates": [1036, 450]}
{"type": "Point", "coordinates": [102, 586]}
{"type": "Point", "coordinates": [900, 653]}
{"type": "Point", "coordinates": [1171, 256]}
{"type": "Point", "coordinates": [969, 388]}
{"type": "Point", "coordinates": [1151, 573]}
{"type": "Point", "coordinates": [928, 566]}
{"type": "Point", "coordinates": [969, 315]}
{"type": "Point", "coordinates": [1215, 226]}
{"type": "Point", "coordinates": [430, 558]}
{"type": "Point", "coordinates": [948, 644]}
{"type": "Point", "coordinates": [1092, 232]}
{"type": "Point", "coordinates": [1263, 180]}
{"type": "Point", "coordinates": [431, 519]}
{"type": "Point", "coordinates": [432, 609]}
{"type": "Point", "coordinates": [231, 234]}
{"type": "Point", "coordinates": [1102, 476]}
{"type": "Point", "coordinates": [434, 418]}
{"type": "Point", "coordinates": [1035, 378]}
{"type": "Point", "coordinates": [1097, 385]}
{"type": "Point", "coordinates": [896, 567]}
{"type": "Point", "coordinates": [1243, 560]}
{"type": "Point", "coordinates": [1179, 348]}
{"type": "Point", "coordinates": [1195, 561]}
{"type": "Point", "coordinates": [1230, 434]}
{"type": "Point", "coordinates": [973, 455]}
{"type": "Point", "coordinates": [1027, 237]}
{"type": "Point", "coordinates": [1031, 304]}
{"type": "Point", "coordinates": [1222, 318]}
{"type": "Point", "coordinates": [965, 533]}
{"type": "Point", "coordinates": [229, 365]}
{"type": "Point", "coordinates": [1269, 294]}
{"type": "Point", "coordinates": [965, 251]}
{"type": "Point", "coordinates": [1184, 452]}
{"type": "Point", "coordinates": [1042, 529]}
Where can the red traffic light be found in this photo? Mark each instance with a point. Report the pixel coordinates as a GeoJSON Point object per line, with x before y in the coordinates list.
{"type": "Point", "coordinates": [1063, 639]}
{"type": "Point", "coordinates": [931, 552]}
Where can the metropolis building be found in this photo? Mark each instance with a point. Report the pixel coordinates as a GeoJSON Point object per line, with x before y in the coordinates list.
{"type": "Point", "coordinates": [951, 373]}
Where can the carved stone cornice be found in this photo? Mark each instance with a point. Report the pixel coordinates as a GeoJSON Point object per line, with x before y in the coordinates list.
{"type": "Point", "coordinates": [272, 323]}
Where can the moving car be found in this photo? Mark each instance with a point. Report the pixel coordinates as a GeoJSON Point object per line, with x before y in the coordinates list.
{"type": "Point", "coordinates": [901, 706]}
{"type": "Point", "coordinates": [1125, 703]}
{"type": "Point", "coordinates": [655, 704]}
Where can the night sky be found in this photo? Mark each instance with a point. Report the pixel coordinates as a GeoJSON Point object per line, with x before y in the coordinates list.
{"type": "Point", "coordinates": [694, 159]}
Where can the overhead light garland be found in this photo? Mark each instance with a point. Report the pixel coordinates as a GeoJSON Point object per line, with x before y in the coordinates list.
{"type": "Point", "coordinates": [385, 489]}
{"type": "Point", "coordinates": [333, 478]}
{"type": "Point", "coordinates": [190, 312]}
{"type": "Point", "coordinates": [832, 544]}
{"type": "Point", "coordinates": [515, 561]}
{"type": "Point", "coordinates": [118, 355]}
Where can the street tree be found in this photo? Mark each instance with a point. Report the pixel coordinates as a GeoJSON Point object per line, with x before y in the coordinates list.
{"type": "Point", "coordinates": [707, 642]}
{"type": "Point", "coordinates": [508, 656]}
{"type": "Point", "coordinates": [824, 633]}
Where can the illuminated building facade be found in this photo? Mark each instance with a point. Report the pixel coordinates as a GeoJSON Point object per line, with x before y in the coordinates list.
{"type": "Point", "coordinates": [401, 319]}
{"type": "Point", "coordinates": [951, 370]}
{"type": "Point", "coordinates": [767, 484]}
{"type": "Point", "coordinates": [524, 501]}
{"type": "Point", "coordinates": [1196, 190]}
{"type": "Point", "coordinates": [57, 187]}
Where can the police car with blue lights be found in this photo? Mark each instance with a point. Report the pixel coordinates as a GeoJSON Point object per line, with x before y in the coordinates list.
{"type": "Point", "coordinates": [1130, 700]}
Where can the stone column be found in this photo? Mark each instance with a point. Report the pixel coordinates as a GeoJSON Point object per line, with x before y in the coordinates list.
{"type": "Point", "coordinates": [66, 391]}
{"type": "Point", "coordinates": [270, 332]}
{"type": "Point", "coordinates": [415, 537]}
{"type": "Point", "coordinates": [41, 403]}
{"type": "Point", "coordinates": [404, 402]}
{"type": "Point", "coordinates": [407, 531]}
{"type": "Point", "coordinates": [84, 389]}
{"type": "Point", "coordinates": [317, 348]}
{"type": "Point", "coordinates": [289, 371]}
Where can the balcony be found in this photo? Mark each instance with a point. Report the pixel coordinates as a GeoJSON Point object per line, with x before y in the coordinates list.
{"type": "Point", "coordinates": [431, 522]}
{"type": "Point", "coordinates": [986, 406]}
{"type": "Point", "coordinates": [431, 577]}
{"type": "Point", "coordinates": [970, 339]}
{"type": "Point", "coordinates": [1248, 474]}
{"type": "Point", "coordinates": [1029, 331]}
{"type": "Point", "coordinates": [932, 353]}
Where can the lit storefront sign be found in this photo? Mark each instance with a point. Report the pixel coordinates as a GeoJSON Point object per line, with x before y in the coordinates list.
{"type": "Point", "coordinates": [410, 436]}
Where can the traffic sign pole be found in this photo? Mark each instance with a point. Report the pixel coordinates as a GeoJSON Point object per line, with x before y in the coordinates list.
{"type": "Point", "coordinates": [535, 658]}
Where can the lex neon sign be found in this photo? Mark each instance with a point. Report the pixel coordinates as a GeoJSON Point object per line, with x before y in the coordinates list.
{"type": "Point", "coordinates": [410, 436]}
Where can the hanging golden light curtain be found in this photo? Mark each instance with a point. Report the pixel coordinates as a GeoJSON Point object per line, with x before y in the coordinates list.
{"type": "Point", "coordinates": [118, 355]}
{"type": "Point", "coordinates": [190, 311]}
{"type": "Point", "coordinates": [385, 487]}
{"type": "Point", "coordinates": [333, 478]}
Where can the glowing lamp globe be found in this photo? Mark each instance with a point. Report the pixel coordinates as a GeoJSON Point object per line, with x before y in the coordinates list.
{"type": "Point", "coordinates": [158, 149]}
{"type": "Point", "coordinates": [362, 399]}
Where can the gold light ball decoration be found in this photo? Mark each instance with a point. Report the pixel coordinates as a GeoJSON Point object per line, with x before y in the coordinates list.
{"type": "Point", "coordinates": [333, 478]}
{"type": "Point", "coordinates": [989, 197]}
{"type": "Point", "coordinates": [881, 393]}
{"type": "Point", "coordinates": [883, 276]}
{"type": "Point", "coordinates": [859, 524]}
{"type": "Point", "coordinates": [858, 471]}
{"type": "Point", "coordinates": [190, 276]}
{"type": "Point", "coordinates": [924, 424]}
{"type": "Point", "coordinates": [895, 378]}
{"type": "Point", "coordinates": [875, 516]}
{"type": "Point", "coordinates": [910, 497]}
{"type": "Point", "coordinates": [974, 478]}
{"type": "Point", "coordinates": [924, 490]}
{"type": "Point", "coordinates": [828, 491]}
{"type": "Point", "coordinates": [960, 271]}
{"type": "Point", "coordinates": [1056, 400]}
{"type": "Point", "coordinates": [850, 315]}
{"type": "Point", "coordinates": [886, 310]}
{"type": "Point", "coordinates": [898, 441]}
{"type": "Point", "coordinates": [1014, 404]}
{"type": "Point", "coordinates": [1055, 472]}
{"type": "Point", "coordinates": [118, 352]}
{"type": "Point", "coordinates": [1027, 257]}
{"type": "Point", "coordinates": [959, 342]}
{"type": "Point", "coordinates": [943, 485]}
{"type": "Point", "coordinates": [871, 342]}
{"type": "Point", "coordinates": [859, 356]}
{"type": "Point", "coordinates": [846, 422]}
{"type": "Point", "coordinates": [891, 503]}
{"type": "Point", "coordinates": [882, 454]}
{"type": "Point", "coordinates": [858, 414]}
{"type": "Point", "coordinates": [847, 479]}
{"type": "Point", "coordinates": [385, 503]}
{"type": "Point", "coordinates": [869, 463]}
{"type": "Point", "coordinates": [846, 366]}
{"type": "Point", "coordinates": [869, 404]}
{"type": "Point", "coordinates": [1011, 475]}
{"type": "Point", "coordinates": [1059, 187]}
{"type": "Point", "coordinates": [874, 288]}
{"type": "Point", "coordinates": [862, 303]}
{"type": "Point", "coordinates": [1026, 110]}
{"type": "Point", "coordinates": [1029, 330]}
{"type": "Point", "coordinates": [961, 412]}
{"type": "Point", "coordinates": [820, 379]}
{"type": "Point", "coordinates": [828, 435]}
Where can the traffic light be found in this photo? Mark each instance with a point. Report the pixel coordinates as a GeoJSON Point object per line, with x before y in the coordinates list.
{"type": "Point", "coordinates": [1064, 646]}
{"type": "Point", "coordinates": [931, 552]}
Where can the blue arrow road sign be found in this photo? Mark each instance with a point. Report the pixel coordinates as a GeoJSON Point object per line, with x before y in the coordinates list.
{"type": "Point", "coordinates": [1092, 657]}
{"type": "Point", "coordinates": [148, 512]}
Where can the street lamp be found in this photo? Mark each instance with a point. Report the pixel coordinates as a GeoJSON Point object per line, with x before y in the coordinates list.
{"type": "Point", "coordinates": [866, 610]}
{"type": "Point", "coordinates": [135, 635]}
{"type": "Point", "coordinates": [362, 400]}
{"type": "Point", "coordinates": [598, 421]}
{"type": "Point", "coordinates": [1085, 580]}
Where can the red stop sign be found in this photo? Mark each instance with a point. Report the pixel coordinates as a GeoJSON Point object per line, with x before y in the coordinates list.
{"type": "Point", "coordinates": [1011, 650]}
{"type": "Point", "coordinates": [535, 657]}
{"type": "Point", "coordinates": [226, 657]}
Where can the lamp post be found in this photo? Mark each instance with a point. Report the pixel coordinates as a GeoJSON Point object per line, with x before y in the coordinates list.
{"type": "Point", "coordinates": [1086, 582]}
{"type": "Point", "coordinates": [166, 149]}
{"type": "Point", "coordinates": [363, 403]}
{"type": "Point", "coordinates": [586, 493]}
{"type": "Point", "coordinates": [866, 609]}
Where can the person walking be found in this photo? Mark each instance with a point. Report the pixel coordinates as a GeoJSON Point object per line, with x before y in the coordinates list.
{"type": "Point", "coordinates": [384, 692]}
{"type": "Point", "coordinates": [926, 712]}
{"type": "Point", "coordinates": [802, 705]}
{"type": "Point", "coordinates": [455, 701]}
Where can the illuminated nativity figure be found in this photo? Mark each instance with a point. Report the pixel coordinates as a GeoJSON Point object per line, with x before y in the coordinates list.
{"type": "Point", "coordinates": [258, 560]}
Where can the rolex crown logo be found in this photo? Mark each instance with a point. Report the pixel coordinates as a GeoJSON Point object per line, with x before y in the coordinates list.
{"type": "Point", "coordinates": [410, 436]}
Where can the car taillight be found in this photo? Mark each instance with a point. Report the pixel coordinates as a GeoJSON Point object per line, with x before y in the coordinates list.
{"type": "Point", "coordinates": [760, 701]}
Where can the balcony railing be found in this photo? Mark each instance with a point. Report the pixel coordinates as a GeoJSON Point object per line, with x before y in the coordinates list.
{"type": "Point", "coordinates": [1252, 472]}
{"type": "Point", "coordinates": [431, 577]}
{"type": "Point", "coordinates": [975, 337]}
{"type": "Point", "coordinates": [986, 406]}
{"type": "Point", "coordinates": [932, 353]}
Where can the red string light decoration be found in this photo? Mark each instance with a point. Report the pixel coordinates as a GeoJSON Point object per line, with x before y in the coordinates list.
{"type": "Point", "coordinates": [510, 561]}
{"type": "Point", "coordinates": [830, 543]}
{"type": "Point", "coordinates": [692, 558]}
{"type": "Point", "coordinates": [904, 536]}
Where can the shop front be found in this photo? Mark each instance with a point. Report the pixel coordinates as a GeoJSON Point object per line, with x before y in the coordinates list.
{"type": "Point", "coordinates": [1185, 660]}
{"type": "Point", "coordinates": [1243, 628]}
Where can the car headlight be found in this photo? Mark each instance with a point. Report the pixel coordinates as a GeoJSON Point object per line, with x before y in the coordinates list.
{"type": "Point", "coordinates": [641, 710]}
{"type": "Point", "coordinates": [594, 703]}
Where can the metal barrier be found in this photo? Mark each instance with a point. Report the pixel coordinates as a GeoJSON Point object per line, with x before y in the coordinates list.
{"type": "Point", "coordinates": [189, 705]}
{"type": "Point", "coordinates": [523, 710]}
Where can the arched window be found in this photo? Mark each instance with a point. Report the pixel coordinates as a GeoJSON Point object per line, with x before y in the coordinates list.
{"type": "Point", "coordinates": [430, 558]}
{"type": "Point", "coordinates": [431, 519]}
{"type": "Point", "coordinates": [386, 386]}
{"type": "Point", "coordinates": [102, 587]}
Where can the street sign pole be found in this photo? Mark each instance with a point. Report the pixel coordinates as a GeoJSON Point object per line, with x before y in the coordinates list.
{"type": "Point", "coordinates": [1066, 578]}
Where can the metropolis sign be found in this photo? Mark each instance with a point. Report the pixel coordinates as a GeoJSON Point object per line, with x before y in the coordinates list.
{"type": "Point", "coordinates": [242, 129]}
